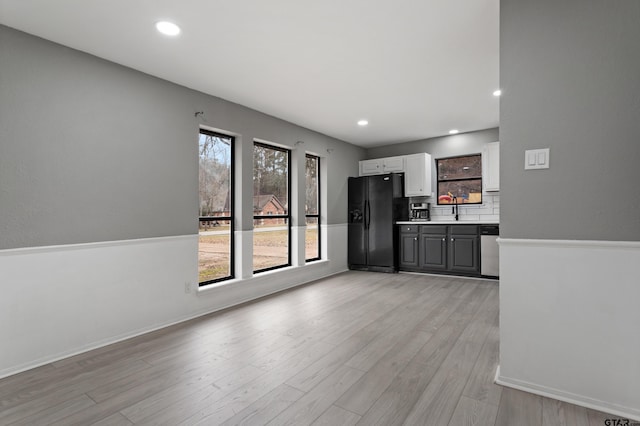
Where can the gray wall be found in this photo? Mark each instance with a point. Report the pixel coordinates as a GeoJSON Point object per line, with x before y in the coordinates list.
{"type": "Point", "coordinates": [93, 151]}
{"type": "Point", "coordinates": [569, 73]}
{"type": "Point", "coordinates": [445, 146]}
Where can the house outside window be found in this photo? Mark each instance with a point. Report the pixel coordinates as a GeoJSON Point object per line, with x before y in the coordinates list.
{"type": "Point", "coordinates": [271, 213]}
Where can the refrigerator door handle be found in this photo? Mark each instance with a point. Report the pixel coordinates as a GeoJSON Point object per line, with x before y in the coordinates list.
{"type": "Point", "coordinates": [368, 214]}
{"type": "Point", "coordinates": [364, 216]}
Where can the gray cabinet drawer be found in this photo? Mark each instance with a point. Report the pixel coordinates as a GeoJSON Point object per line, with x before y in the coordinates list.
{"type": "Point", "coordinates": [408, 228]}
{"type": "Point", "coordinates": [433, 229]}
{"type": "Point", "coordinates": [464, 230]}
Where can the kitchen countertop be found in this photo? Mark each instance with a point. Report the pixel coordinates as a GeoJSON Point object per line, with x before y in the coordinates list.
{"type": "Point", "coordinates": [448, 222]}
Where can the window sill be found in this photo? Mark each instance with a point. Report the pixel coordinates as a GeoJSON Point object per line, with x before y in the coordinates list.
{"type": "Point", "coordinates": [260, 275]}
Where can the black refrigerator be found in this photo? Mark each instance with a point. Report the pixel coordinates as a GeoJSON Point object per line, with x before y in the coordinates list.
{"type": "Point", "coordinates": [375, 204]}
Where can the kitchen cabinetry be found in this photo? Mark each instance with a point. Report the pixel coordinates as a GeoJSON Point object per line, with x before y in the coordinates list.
{"type": "Point", "coordinates": [416, 168]}
{"type": "Point", "coordinates": [492, 167]}
{"type": "Point", "coordinates": [452, 249]}
{"type": "Point", "coordinates": [417, 175]}
{"type": "Point", "coordinates": [464, 253]}
{"type": "Point", "coordinates": [409, 237]}
{"type": "Point", "coordinates": [433, 247]}
{"type": "Point", "coordinates": [371, 167]}
{"type": "Point", "coordinates": [379, 166]}
{"type": "Point", "coordinates": [393, 165]}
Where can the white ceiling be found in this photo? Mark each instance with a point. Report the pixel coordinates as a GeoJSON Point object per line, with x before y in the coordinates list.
{"type": "Point", "coordinates": [413, 68]}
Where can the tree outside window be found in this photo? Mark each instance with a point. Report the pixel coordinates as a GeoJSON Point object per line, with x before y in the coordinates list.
{"type": "Point", "coordinates": [312, 208]}
{"type": "Point", "coordinates": [215, 243]}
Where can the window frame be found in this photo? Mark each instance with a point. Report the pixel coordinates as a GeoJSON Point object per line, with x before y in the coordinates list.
{"type": "Point", "coordinates": [286, 216]}
{"type": "Point", "coordinates": [438, 180]}
{"type": "Point", "coordinates": [317, 216]}
{"type": "Point", "coordinates": [230, 218]}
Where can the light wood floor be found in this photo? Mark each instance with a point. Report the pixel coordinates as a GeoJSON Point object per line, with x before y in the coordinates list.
{"type": "Point", "coordinates": [357, 348]}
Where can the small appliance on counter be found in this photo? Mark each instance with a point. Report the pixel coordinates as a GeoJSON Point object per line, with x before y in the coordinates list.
{"type": "Point", "coordinates": [419, 212]}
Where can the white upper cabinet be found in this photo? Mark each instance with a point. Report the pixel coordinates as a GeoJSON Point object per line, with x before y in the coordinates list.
{"type": "Point", "coordinates": [393, 164]}
{"type": "Point", "coordinates": [382, 165]}
{"type": "Point", "coordinates": [371, 167]}
{"type": "Point", "coordinates": [417, 175]}
{"type": "Point", "coordinates": [492, 167]}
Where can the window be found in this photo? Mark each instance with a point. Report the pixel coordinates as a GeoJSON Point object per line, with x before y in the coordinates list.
{"type": "Point", "coordinates": [215, 242]}
{"type": "Point", "coordinates": [460, 180]}
{"type": "Point", "coordinates": [312, 208]}
{"type": "Point", "coordinates": [271, 216]}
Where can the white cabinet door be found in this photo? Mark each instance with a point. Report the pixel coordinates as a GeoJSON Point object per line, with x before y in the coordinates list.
{"type": "Point", "coordinates": [417, 175]}
{"type": "Point", "coordinates": [492, 167]}
{"type": "Point", "coordinates": [393, 164]}
{"type": "Point", "coordinates": [371, 167]}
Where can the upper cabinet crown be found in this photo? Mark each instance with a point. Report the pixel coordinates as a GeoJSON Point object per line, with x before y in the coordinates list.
{"type": "Point", "coordinates": [492, 167]}
{"type": "Point", "coordinates": [416, 168]}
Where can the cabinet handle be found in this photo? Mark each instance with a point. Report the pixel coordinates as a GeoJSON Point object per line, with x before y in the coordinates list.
{"type": "Point", "coordinates": [452, 240]}
{"type": "Point", "coordinates": [443, 239]}
{"type": "Point", "coordinates": [415, 239]}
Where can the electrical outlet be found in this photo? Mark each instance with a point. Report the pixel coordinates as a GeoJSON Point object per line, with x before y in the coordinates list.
{"type": "Point", "coordinates": [187, 287]}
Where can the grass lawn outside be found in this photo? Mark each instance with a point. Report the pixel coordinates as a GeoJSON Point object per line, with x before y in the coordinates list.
{"type": "Point", "coordinates": [269, 249]}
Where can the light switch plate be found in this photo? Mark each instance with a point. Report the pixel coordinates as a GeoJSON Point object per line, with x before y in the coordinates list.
{"type": "Point", "coordinates": [536, 159]}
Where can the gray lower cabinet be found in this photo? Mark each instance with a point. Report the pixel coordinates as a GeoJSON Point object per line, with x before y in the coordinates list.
{"type": "Point", "coordinates": [464, 249]}
{"type": "Point", "coordinates": [453, 249]}
{"type": "Point", "coordinates": [408, 246]}
{"type": "Point", "coordinates": [433, 247]}
{"type": "Point", "coordinates": [409, 250]}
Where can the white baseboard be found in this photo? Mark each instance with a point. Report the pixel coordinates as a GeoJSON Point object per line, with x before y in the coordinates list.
{"type": "Point", "coordinates": [568, 397]}
{"type": "Point", "coordinates": [569, 321]}
{"type": "Point", "coordinates": [60, 301]}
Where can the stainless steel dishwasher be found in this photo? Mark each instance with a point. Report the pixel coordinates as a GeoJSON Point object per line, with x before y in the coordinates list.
{"type": "Point", "coordinates": [489, 259]}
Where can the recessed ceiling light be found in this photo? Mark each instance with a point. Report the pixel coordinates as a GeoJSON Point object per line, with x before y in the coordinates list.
{"type": "Point", "coordinates": [497, 92]}
{"type": "Point", "coordinates": [168, 28]}
{"type": "Point", "coordinates": [453, 131]}
{"type": "Point", "coordinates": [363, 123]}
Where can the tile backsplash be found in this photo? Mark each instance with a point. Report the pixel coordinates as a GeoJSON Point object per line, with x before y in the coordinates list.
{"type": "Point", "coordinates": [489, 210]}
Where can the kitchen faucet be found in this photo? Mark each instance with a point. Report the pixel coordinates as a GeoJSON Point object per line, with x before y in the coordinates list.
{"type": "Point", "coordinates": [454, 207]}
